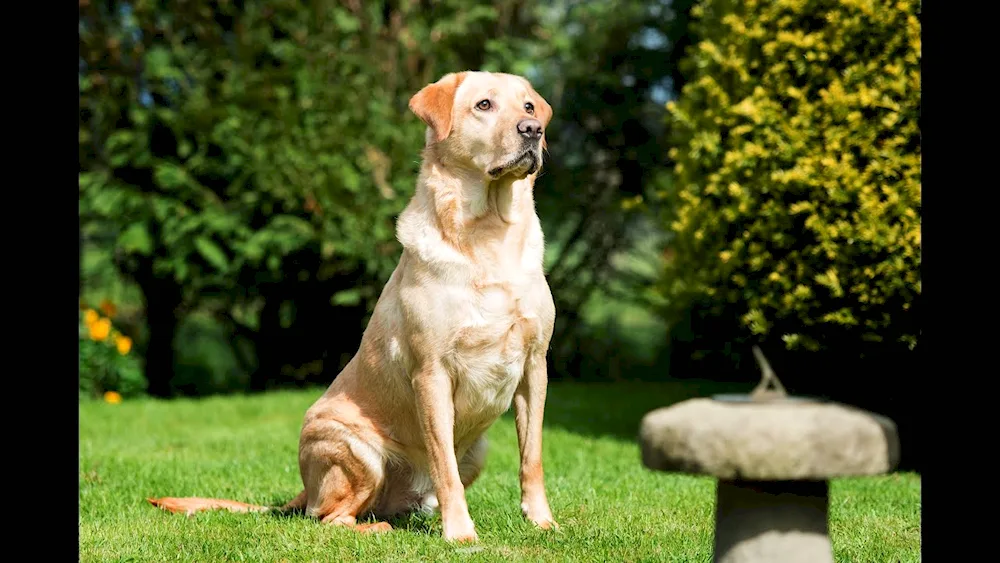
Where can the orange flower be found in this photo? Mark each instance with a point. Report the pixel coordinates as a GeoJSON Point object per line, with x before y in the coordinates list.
{"type": "Point", "coordinates": [90, 317]}
{"type": "Point", "coordinates": [100, 329]}
{"type": "Point", "coordinates": [124, 344]}
{"type": "Point", "coordinates": [112, 397]}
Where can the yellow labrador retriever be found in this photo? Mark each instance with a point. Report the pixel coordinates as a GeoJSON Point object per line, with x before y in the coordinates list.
{"type": "Point", "coordinates": [460, 330]}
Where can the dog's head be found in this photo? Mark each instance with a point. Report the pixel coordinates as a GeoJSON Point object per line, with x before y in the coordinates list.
{"type": "Point", "coordinates": [486, 121]}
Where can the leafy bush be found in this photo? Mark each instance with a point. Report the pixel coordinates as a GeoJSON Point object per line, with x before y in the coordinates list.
{"type": "Point", "coordinates": [247, 160]}
{"type": "Point", "coordinates": [795, 196]}
{"type": "Point", "coordinates": [107, 365]}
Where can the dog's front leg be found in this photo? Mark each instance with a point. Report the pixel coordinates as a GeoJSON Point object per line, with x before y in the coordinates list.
{"type": "Point", "coordinates": [437, 423]}
{"type": "Point", "coordinates": [529, 404]}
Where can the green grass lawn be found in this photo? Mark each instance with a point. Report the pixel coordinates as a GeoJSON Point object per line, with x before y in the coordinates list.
{"type": "Point", "coordinates": [609, 507]}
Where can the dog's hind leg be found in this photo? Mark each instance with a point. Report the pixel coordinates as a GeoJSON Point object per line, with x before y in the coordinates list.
{"type": "Point", "coordinates": [343, 475]}
{"type": "Point", "coordinates": [343, 497]}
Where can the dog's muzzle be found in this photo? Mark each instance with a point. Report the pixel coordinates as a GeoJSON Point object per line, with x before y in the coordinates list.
{"type": "Point", "coordinates": [525, 163]}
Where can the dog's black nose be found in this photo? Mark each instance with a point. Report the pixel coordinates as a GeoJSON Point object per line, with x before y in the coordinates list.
{"type": "Point", "coordinates": [530, 128]}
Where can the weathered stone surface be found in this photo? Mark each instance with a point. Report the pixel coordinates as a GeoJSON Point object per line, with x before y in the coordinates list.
{"type": "Point", "coordinates": [768, 441]}
{"type": "Point", "coordinates": [772, 522]}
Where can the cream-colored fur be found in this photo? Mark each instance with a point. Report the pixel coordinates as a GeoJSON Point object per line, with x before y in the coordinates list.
{"type": "Point", "coordinates": [459, 333]}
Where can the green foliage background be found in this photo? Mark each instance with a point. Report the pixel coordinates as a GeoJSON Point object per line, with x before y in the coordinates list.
{"type": "Point", "coordinates": [242, 164]}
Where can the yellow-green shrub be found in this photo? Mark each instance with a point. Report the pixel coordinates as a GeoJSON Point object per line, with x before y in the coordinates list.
{"type": "Point", "coordinates": [795, 195]}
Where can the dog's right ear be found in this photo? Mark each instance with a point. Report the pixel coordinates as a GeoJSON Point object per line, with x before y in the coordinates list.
{"type": "Point", "coordinates": [433, 104]}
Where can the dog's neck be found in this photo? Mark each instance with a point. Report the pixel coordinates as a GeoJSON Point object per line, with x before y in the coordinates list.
{"type": "Point", "coordinates": [470, 213]}
{"type": "Point", "coordinates": [465, 201]}
{"type": "Point", "coordinates": [483, 199]}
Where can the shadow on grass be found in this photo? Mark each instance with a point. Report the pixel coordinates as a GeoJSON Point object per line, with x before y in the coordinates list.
{"type": "Point", "coordinates": [615, 409]}
{"type": "Point", "coordinates": [417, 522]}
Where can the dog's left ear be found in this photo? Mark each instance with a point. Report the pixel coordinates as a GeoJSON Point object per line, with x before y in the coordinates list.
{"type": "Point", "coordinates": [434, 103]}
{"type": "Point", "coordinates": [543, 112]}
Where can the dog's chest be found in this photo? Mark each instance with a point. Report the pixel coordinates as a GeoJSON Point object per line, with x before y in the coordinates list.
{"type": "Point", "coordinates": [495, 330]}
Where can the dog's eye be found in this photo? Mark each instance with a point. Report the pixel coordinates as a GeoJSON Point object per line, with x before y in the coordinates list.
{"type": "Point", "coordinates": [484, 105]}
{"type": "Point", "coordinates": [529, 107]}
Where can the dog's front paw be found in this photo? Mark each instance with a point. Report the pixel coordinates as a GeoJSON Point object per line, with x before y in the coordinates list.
{"type": "Point", "coordinates": [462, 532]}
{"type": "Point", "coordinates": [540, 515]}
{"type": "Point", "coordinates": [546, 523]}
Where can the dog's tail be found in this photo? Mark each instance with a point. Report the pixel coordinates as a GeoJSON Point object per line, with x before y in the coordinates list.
{"type": "Point", "coordinates": [190, 505]}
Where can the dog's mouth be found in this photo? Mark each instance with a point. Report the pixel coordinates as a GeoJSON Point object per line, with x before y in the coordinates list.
{"type": "Point", "coordinates": [524, 164]}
